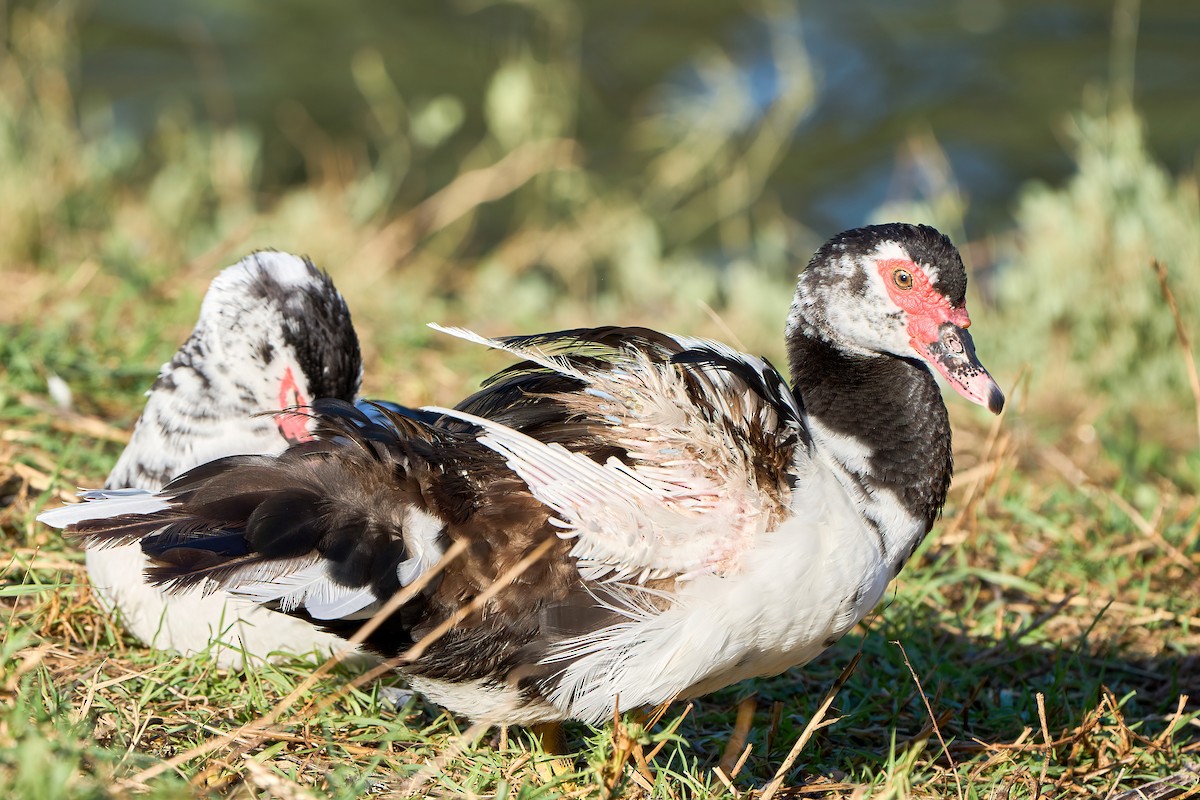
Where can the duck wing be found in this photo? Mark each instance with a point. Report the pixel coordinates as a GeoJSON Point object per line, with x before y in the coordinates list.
{"type": "Point", "coordinates": [690, 446]}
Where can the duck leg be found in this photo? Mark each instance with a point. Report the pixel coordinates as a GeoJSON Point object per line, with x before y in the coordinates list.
{"type": "Point", "coordinates": [552, 737]}
{"type": "Point", "coordinates": [554, 743]}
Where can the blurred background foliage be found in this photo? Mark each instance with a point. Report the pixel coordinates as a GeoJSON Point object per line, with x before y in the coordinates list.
{"type": "Point", "coordinates": [541, 163]}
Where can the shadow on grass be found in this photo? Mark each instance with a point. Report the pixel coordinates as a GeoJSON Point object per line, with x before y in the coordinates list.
{"type": "Point", "coordinates": [1105, 711]}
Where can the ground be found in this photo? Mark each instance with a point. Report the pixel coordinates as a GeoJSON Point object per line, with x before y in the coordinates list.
{"type": "Point", "coordinates": [1042, 642]}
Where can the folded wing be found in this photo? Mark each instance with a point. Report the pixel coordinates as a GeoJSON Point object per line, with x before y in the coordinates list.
{"type": "Point", "coordinates": [704, 438]}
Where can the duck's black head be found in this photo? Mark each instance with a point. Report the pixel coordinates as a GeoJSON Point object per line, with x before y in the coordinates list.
{"type": "Point", "coordinates": [894, 289]}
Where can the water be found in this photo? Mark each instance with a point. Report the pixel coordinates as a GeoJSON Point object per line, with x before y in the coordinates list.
{"type": "Point", "coordinates": [991, 80]}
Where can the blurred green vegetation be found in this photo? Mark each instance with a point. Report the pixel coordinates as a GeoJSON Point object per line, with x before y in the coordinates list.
{"type": "Point", "coordinates": [699, 233]}
{"type": "Point", "coordinates": [1080, 277]}
{"type": "Point", "coordinates": [989, 76]}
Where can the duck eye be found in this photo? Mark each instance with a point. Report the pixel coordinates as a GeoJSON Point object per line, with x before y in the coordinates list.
{"type": "Point", "coordinates": [903, 279]}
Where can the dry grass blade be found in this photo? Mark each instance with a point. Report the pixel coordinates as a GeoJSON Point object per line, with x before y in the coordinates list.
{"type": "Point", "coordinates": [40, 481]}
{"type": "Point", "coordinates": [622, 748]}
{"type": "Point", "coordinates": [415, 652]}
{"type": "Point", "coordinates": [1160, 269]}
{"type": "Point", "coordinates": [1085, 728]}
{"type": "Point", "coordinates": [267, 720]}
{"type": "Point", "coordinates": [73, 422]}
{"type": "Point", "coordinates": [1185, 783]}
{"type": "Point", "coordinates": [724, 779]}
{"type": "Point", "coordinates": [674, 726]}
{"type": "Point", "coordinates": [817, 722]}
{"type": "Point", "coordinates": [1041, 707]}
{"type": "Point", "coordinates": [932, 718]}
{"type": "Point", "coordinates": [1165, 736]}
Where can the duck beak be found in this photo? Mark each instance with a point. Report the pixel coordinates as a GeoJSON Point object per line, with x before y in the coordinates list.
{"type": "Point", "coordinates": [953, 355]}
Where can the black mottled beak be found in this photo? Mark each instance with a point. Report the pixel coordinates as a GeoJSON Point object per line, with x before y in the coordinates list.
{"type": "Point", "coordinates": [953, 355]}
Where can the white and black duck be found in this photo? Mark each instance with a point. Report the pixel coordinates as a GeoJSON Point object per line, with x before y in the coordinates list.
{"type": "Point", "coordinates": [273, 333]}
{"type": "Point", "coordinates": [709, 522]}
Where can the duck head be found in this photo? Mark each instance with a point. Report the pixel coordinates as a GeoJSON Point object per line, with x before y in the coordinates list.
{"type": "Point", "coordinates": [898, 290]}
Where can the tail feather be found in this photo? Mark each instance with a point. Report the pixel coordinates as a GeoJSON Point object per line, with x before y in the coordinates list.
{"type": "Point", "coordinates": [285, 524]}
{"type": "Point", "coordinates": [121, 530]}
{"type": "Point", "coordinates": [104, 504]}
{"type": "Point", "coordinates": [326, 530]}
{"type": "Point", "coordinates": [199, 534]}
{"type": "Point", "coordinates": [184, 568]}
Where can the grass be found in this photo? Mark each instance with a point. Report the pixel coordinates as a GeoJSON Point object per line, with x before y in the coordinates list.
{"type": "Point", "coordinates": [1039, 612]}
{"type": "Point", "coordinates": [1042, 642]}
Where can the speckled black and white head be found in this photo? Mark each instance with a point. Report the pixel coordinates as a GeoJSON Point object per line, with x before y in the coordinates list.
{"type": "Point", "coordinates": [273, 333]}
{"type": "Point", "coordinates": [894, 289]}
{"type": "Point", "coordinates": [294, 328]}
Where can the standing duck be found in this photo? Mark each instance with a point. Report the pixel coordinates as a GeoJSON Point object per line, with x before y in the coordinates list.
{"type": "Point", "coordinates": [273, 333]}
{"type": "Point", "coordinates": [669, 516]}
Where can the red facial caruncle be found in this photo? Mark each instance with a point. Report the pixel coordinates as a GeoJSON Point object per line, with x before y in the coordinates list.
{"type": "Point", "coordinates": [293, 426]}
{"type": "Point", "coordinates": [937, 331]}
{"type": "Point", "coordinates": [927, 308]}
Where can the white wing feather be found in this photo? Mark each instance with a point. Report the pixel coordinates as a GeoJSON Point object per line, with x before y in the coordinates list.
{"type": "Point", "coordinates": [533, 354]}
{"type": "Point", "coordinates": [627, 521]}
{"type": "Point", "coordinates": [690, 502]}
{"type": "Point", "coordinates": [103, 504]}
{"type": "Point", "coordinates": [311, 588]}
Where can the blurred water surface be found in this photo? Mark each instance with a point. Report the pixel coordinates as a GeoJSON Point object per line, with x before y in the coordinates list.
{"type": "Point", "coordinates": [991, 81]}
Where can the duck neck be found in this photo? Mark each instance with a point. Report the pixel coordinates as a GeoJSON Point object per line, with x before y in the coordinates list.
{"type": "Point", "coordinates": [880, 419]}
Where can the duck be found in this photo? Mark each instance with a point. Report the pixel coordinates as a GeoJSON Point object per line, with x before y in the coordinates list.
{"type": "Point", "coordinates": [620, 519]}
{"type": "Point", "coordinates": [273, 332]}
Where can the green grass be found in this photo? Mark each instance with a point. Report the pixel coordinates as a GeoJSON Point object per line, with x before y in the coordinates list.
{"type": "Point", "coordinates": [1058, 599]}
{"type": "Point", "coordinates": [1030, 586]}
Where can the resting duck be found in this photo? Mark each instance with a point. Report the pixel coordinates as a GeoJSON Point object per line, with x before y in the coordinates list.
{"type": "Point", "coordinates": [699, 520]}
{"type": "Point", "coordinates": [273, 333]}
